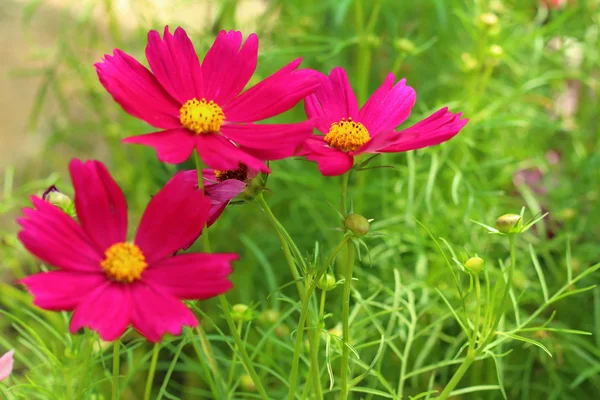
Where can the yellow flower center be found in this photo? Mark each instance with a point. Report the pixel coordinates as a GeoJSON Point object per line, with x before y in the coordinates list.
{"type": "Point", "coordinates": [201, 116]}
{"type": "Point", "coordinates": [124, 262]}
{"type": "Point", "coordinates": [347, 135]}
{"type": "Point", "coordinates": [241, 174]}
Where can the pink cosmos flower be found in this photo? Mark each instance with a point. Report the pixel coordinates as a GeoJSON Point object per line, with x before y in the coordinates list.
{"type": "Point", "coordinates": [6, 365]}
{"type": "Point", "coordinates": [199, 106]}
{"type": "Point", "coordinates": [350, 131]}
{"type": "Point", "coordinates": [110, 283]}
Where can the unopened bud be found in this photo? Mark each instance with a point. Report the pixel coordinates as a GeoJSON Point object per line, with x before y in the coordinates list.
{"type": "Point", "coordinates": [55, 197]}
{"type": "Point", "coordinates": [509, 223]}
{"type": "Point", "coordinates": [489, 19]}
{"type": "Point", "coordinates": [405, 45]}
{"type": "Point", "coordinates": [469, 62]}
{"type": "Point", "coordinates": [496, 51]}
{"type": "Point", "coordinates": [247, 383]}
{"type": "Point", "coordinates": [327, 282]}
{"type": "Point", "coordinates": [357, 224]}
{"type": "Point", "coordinates": [282, 330]}
{"type": "Point", "coordinates": [241, 312]}
{"type": "Point", "coordinates": [475, 264]}
{"type": "Point", "coordinates": [269, 317]}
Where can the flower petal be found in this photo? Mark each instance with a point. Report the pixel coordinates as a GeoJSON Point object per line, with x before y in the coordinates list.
{"type": "Point", "coordinates": [55, 238]}
{"type": "Point", "coordinates": [220, 194]}
{"type": "Point", "coordinates": [334, 99]}
{"type": "Point", "coordinates": [137, 90]}
{"type": "Point", "coordinates": [6, 364]}
{"type": "Point", "coordinates": [331, 161]}
{"type": "Point", "coordinates": [219, 153]}
{"type": "Point", "coordinates": [388, 107]}
{"type": "Point", "coordinates": [435, 129]}
{"type": "Point", "coordinates": [175, 64]}
{"type": "Point", "coordinates": [62, 290]}
{"type": "Point", "coordinates": [99, 202]}
{"type": "Point", "coordinates": [172, 146]}
{"type": "Point", "coordinates": [227, 68]}
{"type": "Point", "coordinates": [156, 313]}
{"type": "Point", "coordinates": [194, 276]}
{"type": "Point", "coordinates": [173, 219]}
{"type": "Point", "coordinates": [269, 141]}
{"type": "Point", "coordinates": [107, 310]}
{"type": "Point", "coordinates": [274, 95]}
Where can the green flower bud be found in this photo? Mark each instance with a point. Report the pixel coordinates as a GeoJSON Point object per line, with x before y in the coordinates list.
{"type": "Point", "coordinates": [241, 312]}
{"type": "Point", "coordinates": [489, 19]}
{"type": "Point", "coordinates": [269, 317]}
{"type": "Point", "coordinates": [357, 224]}
{"type": "Point", "coordinates": [405, 45]}
{"type": "Point", "coordinates": [509, 223]}
{"type": "Point", "coordinates": [282, 330]}
{"type": "Point", "coordinates": [475, 264]}
{"type": "Point", "coordinates": [247, 383]}
{"type": "Point", "coordinates": [54, 196]}
{"type": "Point", "coordinates": [327, 282]}
{"type": "Point", "coordinates": [496, 51]}
{"type": "Point", "coordinates": [469, 62]}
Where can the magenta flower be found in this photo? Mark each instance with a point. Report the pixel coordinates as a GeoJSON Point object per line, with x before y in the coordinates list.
{"type": "Point", "coordinates": [350, 131]}
{"type": "Point", "coordinates": [6, 365]}
{"type": "Point", "coordinates": [110, 283]}
{"type": "Point", "coordinates": [199, 106]}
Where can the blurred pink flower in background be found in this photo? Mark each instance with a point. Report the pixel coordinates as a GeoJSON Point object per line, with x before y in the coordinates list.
{"type": "Point", "coordinates": [6, 365]}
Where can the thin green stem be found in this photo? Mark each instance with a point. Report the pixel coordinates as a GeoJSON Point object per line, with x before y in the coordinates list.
{"type": "Point", "coordinates": [304, 313]}
{"type": "Point", "coordinates": [284, 238]}
{"type": "Point", "coordinates": [345, 179]}
{"type": "Point", "coordinates": [345, 323]}
{"type": "Point", "coordinates": [511, 268]}
{"type": "Point", "coordinates": [409, 341]}
{"type": "Point", "coordinates": [234, 357]}
{"type": "Point", "coordinates": [478, 310]}
{"type": "Point", "coordinates": [151, 371]}
{"type": "Point", "coordinates": [208, 362]}
{"type": "Point", "coordinates": [314, 351]}
{"type": "Point", "coordinates": [116, 366]}
{"type": "Point", "coordinates": [457, 376]}
{"type": "Point", "coordinates": [242, 349]}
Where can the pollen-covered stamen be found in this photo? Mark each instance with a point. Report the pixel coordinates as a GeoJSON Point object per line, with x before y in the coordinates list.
{"type": "Point", "coordinates": [241, 174]}
{"type": "Point", "coordinates": [201, 116]}
{"type": "Point", "coordinates": [124, 262]}
{"type": "Point", "coordinates": [347, 135]}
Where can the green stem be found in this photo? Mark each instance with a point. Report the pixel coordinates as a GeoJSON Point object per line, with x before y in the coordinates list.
{"type": "Point", "coordinates": [314, 351]}
{"type": "Point", "coordinates": [284, 238]}
{"type": "Point", "coordinates": [151, 371]}
{"type": "Point", "coordinates": [345, 179]}
{"type": "Point", "coordinates": [457, 376]}
{"type": "Point", "coordinates": [409, 342]}
{"type": "Point", "coordinates": [511, 268]}
{"type": "Point", "coordinates": [303, 314]}
{"type": "Point", "coordinates": [207, 359]}
{"type": "Point", "coordinates": [234, 357]}
{"type": "Point", "coordinates": [116, 366]}
{"type": "Point", "coordinates": [345, 323]}
{"type": "Point", "coordinates": [478, 310]}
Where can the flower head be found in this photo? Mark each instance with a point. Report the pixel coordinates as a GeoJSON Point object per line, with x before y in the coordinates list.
{"type": "Point", "coordinates": [109, 282]}
{"type": "Point", "coordinates": [349, 131]}
{"type": "Point", "coordinates": [202, 106]}
{"type": "Point", "coordinates": [6, 365]}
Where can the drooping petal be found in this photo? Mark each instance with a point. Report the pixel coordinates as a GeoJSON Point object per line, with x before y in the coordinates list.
{"type": "Point", "coordinates": [227, 68]}
{"type": "Point", "coordinates": [62, 290]}
{"type": "Point", "coordinates": [55, 238]}
{"type": "Point", "coordinates": [220, 194]}
{"type": "Point", "coordinates": [156, 313]}
{"type": "Point", "coordinates": [388, 107]}
{"type": "Point", "coordinates": [269, 141]}
{"type": "Point", "coordinates": [195, 276]}
{"type": "Point", "coordinates": [172, 146]}
{"type": "Point", "coordinates": [175, 64]}
{"type": "Point", "coordinates": [107, 310]}
{"type": "Point", "coordinates": [6, 364]}
{"type": "Point", "coordinates": [274, 95]}
{"type": "Point", "coordinates": [219, 153]}
{"type": "Point", "coordinates": [137, 90]}
{"type": "Point", "coordinates": [331, 162]}
{"type": "Point", "coordinates": [99, 202]}
{"type": "Point", "coordinates": [333, 100]}
{"type": "Point", "coordinates": [173, 219]}
{"type": "Point", "coordinates": [435, 129]}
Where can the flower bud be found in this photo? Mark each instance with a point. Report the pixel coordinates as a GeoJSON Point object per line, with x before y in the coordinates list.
{"type": "Point", "coordinates": [55, 197]}
{"type": "Point", "coordinates": [269, 317]}
{"type": "Point", "coordinates": [282, 330]}
{"type": "Point", "coordinates": [509, 223]}
{"type": "Point", "coordinates": [496, 51]}
{"type": "Point", "coordinates": [489, 19]}
{"type": "Point", "coordinates": [357, 224]}
{"type": "Point", "coordinates": [475, 264]}
{"type": "Point", "coordinates": [405, 45]}
{"type": "Point", "coordinates": [327, 282]}
{"type": "Point", "coordinates": [247, 383]}
{"type": "Point", "coordinates": [469, 62]}
{"type": "Point", "coordinates": [241, 312]}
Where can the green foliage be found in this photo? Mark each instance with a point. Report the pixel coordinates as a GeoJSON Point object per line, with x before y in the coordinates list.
{"type": "Point", "coordinates": [413, 306]}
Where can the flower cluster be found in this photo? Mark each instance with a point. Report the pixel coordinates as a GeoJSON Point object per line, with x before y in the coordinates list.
{"type": "Point", "coordinates": [111, 283]}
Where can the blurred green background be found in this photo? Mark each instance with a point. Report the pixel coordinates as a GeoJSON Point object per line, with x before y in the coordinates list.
{"type": "Point", "coordinates": [526, 75]}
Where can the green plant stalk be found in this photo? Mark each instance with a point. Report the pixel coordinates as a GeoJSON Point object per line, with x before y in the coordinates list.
{"type": "Point", "coordinates": [511, 268]}
{"type": "Point", "coordinates": [409, 341]}
{"type": "Point", "coordinates": [303, 314]}
{"type": "Point", "coordinates": [345, 324]}
{"type": "Point", "coordinates": [225, 304]}
{"type": "Point", "coordinates": [234, 357]}
{"type": "Point", "coordinates": [116, 367]}
{"type": "Point", "coordinates": [208, 365]}
{"type": "Point", "coordinates": [473, 339]}
{"type": "Point", "coordinates": [314, 351]}
{"type": "Point", "coordinates": [457, 376]}
{"type": "Point", "coordinates": [345, 179]}
{"type": "Point", "coordinates": [151, 371]}
{"type": "Point", "coordinates": [284, 243]}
